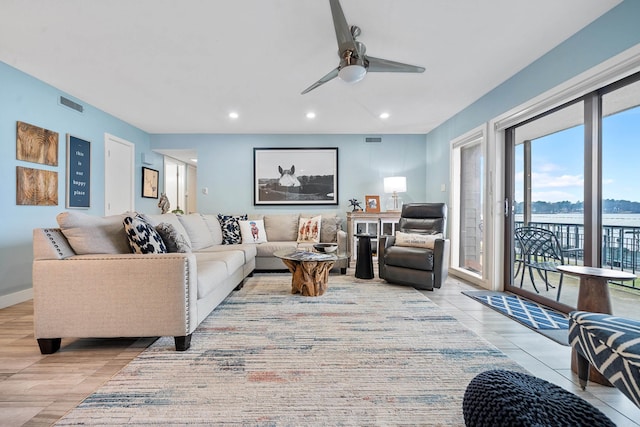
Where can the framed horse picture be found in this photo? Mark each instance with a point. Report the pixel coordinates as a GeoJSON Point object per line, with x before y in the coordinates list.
{"type": "Point", "coordinates": [295, 176]}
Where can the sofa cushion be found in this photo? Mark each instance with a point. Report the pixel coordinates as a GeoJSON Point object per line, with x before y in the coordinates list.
{"type": "Point", "coordinates": [281, 227]}
{"type": "Point", "coordinates": [230, 228]}
{"type": "Point", "coordinates": [174, 241]}
{"type": "Point", "coordinates": [248, 249]}
{"type": "Point", "coordinates": [88, 234]}
{"type": "Point", "coordinates": [169, 218]}
{"type": "Point", "coordinates": [267, 249]}
{"type": "Point", "coordinates": [211, 272]}
{"type": "Point", "coordinates": [252, 231]}
{"type": "Point", "coordinates": [417, 240]}
{"type": "Point", "coordinates": [213, 224]}
{"type": "Point", "coordinates": [309, 229]}
{"type": "Point", "coordinates": [143, 237]}
{"type": "Point", "coordinates": [197, 230]}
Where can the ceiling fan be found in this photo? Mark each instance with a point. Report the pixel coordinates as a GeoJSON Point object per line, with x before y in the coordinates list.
{"type": "Point", "coordinates": [354, 63]}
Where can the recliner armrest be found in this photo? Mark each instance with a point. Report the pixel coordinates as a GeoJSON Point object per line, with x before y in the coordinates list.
{"type": "Point", "coordinates": [440, 261]}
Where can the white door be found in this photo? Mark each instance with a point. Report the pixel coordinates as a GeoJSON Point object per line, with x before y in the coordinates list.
{"type": "Point", "coordinates": [119, 175]}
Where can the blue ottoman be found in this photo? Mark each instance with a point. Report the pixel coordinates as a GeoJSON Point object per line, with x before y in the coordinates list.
{"type": "Point", "coordinates": [505, 398]}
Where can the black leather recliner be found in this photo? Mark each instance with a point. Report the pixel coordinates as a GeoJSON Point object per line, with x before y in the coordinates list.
{"type": "Point", "coordinates": [419, 267]}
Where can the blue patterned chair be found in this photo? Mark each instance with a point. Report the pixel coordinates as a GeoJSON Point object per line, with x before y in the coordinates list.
{"type": "Point", "coordinates": [612, 345]}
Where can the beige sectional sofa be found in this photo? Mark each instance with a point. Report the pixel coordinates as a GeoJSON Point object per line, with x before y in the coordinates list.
{"type": "Point", "coordinates": [87, 283]}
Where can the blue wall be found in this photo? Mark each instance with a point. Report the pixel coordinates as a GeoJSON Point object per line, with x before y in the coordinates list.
{"type": "Point", "coordinates": [611, 34]}
{"type": "Point", "coordinates": [225, 166]}
{"type": "Point", "coordinates": [24, 98]}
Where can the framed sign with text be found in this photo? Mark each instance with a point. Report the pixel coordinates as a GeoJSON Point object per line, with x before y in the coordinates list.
{"type": "Point", "coordinates": [78, 173]}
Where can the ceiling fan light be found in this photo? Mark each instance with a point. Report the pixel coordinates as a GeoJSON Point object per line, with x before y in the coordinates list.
{"type": "Point", "coordinates": [352, 73]}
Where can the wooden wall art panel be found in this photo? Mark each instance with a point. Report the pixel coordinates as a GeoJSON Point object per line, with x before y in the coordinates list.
{"type": "Point", "coordinates": [37, 145]}
{"type": "Point", "coordinates": [37, 187]}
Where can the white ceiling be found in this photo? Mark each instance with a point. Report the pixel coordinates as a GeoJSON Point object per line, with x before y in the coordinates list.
{"type": "Point", "coordinates": [169, 66]}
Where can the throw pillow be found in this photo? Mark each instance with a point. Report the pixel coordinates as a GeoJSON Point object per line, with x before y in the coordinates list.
{"type": "Point", "coordinates": [89, 234]}
{"type": "Point", "coordinates": [417, 240]}
{"type": "Point", "coordinates": [252, 231]}
{"type": "Point", "coordinates": [174, 241]}
{"type": "Point", "coordinates": [231, 229]}
{"type": "Point", "coordinates": [309, 230]}
{"type": "Point", "coordinates": [143, 237]}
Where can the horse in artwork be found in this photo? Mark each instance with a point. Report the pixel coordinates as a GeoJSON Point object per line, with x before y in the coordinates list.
{"type": "Point", "coordinates": [288, 177]}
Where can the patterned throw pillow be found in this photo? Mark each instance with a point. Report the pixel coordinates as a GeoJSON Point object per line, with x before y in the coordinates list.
{"type": "Point", "coordinates": [143, 238]}
{"type": "Point", "coordinates": [231, 229]}
{"type": "Point", "coordinates": [253, 231]}
{"type": "Point", "coordinates": [174, 241]}
{"type": "Point", "coordinates": [309, 230]}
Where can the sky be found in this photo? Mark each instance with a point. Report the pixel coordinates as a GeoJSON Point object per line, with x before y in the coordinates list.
{"type": "Point", "coordinates": [558, 162]}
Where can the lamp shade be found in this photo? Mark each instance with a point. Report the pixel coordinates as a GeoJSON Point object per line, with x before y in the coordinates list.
{"type": "Point", "coordinates": [395, 184]}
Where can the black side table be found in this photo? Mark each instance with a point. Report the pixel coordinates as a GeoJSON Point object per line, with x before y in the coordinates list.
{"type": "Point", "coordinates": [364, 265]}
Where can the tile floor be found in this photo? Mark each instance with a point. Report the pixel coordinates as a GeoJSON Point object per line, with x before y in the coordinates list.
{"type": "Point", "coordinates": [541, 356]}
{"type": "Point", "coordinates": [37, 390]}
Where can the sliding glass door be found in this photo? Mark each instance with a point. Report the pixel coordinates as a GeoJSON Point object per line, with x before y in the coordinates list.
{"type": "Point", "coordinates": [571, 195]}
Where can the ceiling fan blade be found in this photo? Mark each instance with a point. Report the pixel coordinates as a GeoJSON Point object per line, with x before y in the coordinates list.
{"type": "Point", "coordinates": [343, 32]}
{"type": "Point", "coordinates": [378, 65]}
{"type": "Point", "coordinates": [330, 76]}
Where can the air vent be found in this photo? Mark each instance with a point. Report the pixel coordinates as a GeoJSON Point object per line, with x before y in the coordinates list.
{"type": "Point", "coordinates": [73, 105]}
{"type": "Point", "coordinates": [373, 139]}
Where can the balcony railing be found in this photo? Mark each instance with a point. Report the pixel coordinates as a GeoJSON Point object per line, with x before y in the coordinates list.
{"type": "Point", "coordinates": [620, 246]}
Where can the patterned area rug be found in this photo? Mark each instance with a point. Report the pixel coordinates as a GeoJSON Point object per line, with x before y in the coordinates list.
{"type": "Point", "coordinates": [364, 353]}
{"type": "Point", "coordinates": [548, 322]}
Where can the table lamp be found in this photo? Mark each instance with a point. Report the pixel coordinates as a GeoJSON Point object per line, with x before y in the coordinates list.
{"type": "Point", "coordinates": [395, 185]}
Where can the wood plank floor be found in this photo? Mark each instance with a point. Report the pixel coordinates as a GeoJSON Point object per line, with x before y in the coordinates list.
{"type": "Point", "coordinates": [37, 390]}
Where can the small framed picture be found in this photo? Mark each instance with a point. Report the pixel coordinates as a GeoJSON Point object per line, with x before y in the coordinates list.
{"type": "Point", "coordinates": [149, 183]}
{"type": "Point", "coordinates": [372, 203]}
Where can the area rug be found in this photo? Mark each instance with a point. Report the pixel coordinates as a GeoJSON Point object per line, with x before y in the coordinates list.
{"type": "Point", "coordinates": [364, 353]}
{"type": "Point", "coordinates": [550, 323]}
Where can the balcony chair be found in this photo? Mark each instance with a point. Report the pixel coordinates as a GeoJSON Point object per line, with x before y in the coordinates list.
{"type": "Point", "coordinates": [418, 254]}
{"type": "Point", "coordinates": [538, 249]}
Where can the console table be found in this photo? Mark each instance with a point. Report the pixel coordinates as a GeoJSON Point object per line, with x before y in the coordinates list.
{"type": "Point", "coordinates": [375, 224]}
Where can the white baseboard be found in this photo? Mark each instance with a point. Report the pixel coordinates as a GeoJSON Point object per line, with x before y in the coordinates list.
{"type": "Point", "coordinates": [15, 298]}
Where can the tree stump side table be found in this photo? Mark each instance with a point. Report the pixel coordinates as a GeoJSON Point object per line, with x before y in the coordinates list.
{"type": "Point", "coordinates": [309, 270]}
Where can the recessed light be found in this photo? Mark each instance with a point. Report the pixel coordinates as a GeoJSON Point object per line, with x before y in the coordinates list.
{"type": "Point", "coordinates": [384, 116]}
{"type": "Point", "coordinates": [311, 115]}
{"type": "Point", "coordinates": [233, 115]}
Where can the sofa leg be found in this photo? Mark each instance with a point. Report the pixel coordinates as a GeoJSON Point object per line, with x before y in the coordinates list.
{"type": "Point", "coordinates": [343, 271]}
{"type": "Point", "coordinates": [240, 285]}
{"type": "Point", "coordinates": [49, 345]}
{"type": "Point", "coordinates": [183, 343]}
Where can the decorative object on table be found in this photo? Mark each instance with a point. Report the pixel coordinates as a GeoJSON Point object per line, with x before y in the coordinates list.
{"type": "Point", "coordinates": [326, 247]}
{"type": "Point", "coordinates": [163, 203]}
{"type": "Point", "coordinates": [372, 203]}
{"type": "Point", "coordinates": [295, 176]}
{"type": "Point", "coordinates": [35, 144]}
{"type": "Point", "coordinates": [150, 183]}
{"type": "Point", "coordinates": [36, 187]}
{"type": "Point", "coordinates": [355, 204]}
{"type": "Point", "coordinates": [395, 185]}
{"type": "Point", "coordinates": [78, 173]}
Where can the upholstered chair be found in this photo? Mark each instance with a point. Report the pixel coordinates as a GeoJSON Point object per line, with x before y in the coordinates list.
{"type": "Point", "coordinates": [418, 254]}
